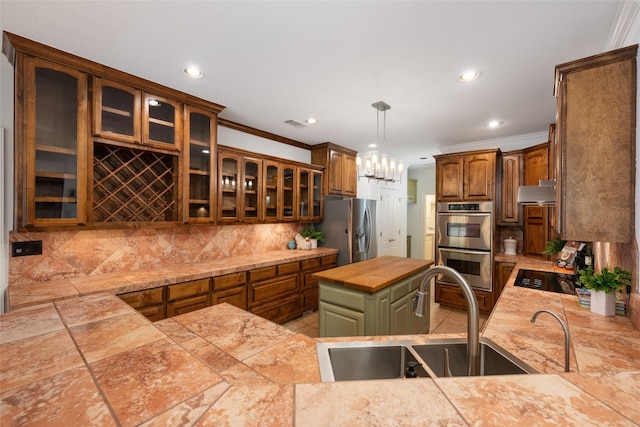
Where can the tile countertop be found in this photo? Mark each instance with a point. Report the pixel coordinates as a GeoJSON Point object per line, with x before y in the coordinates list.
{"type": "Point", "coordinates": [93, 360]}
{"type": "Point", "coordinates": [29, 294]}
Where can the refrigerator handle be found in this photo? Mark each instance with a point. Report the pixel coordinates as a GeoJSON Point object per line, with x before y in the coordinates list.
{"type": "Point", "coordinates": [367, 229]}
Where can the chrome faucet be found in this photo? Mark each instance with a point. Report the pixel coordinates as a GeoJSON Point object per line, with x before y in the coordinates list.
{"type": "Point", "coordinates": [473, 314]}
{"type": "Point", "coordinates": [566, 334]}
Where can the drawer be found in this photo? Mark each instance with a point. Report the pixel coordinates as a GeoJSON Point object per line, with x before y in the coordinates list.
{"type": "Point", "coordinates": [188, 305]}
{"type": "Point", "coordinates": [281, 310]}
{"type": "Point", "coordinates": [188, 289]}
{"type": "Point", "coordinates": [288, 268]}
{"type": "Point", "coordinates": [330, 260]}
{"type": "Point", "coordinates": [154, 313]}
{"type": "Point", "coordinates": [311, 263]}
{"type": "Point", "coordinates": [229, 280]}
{"type": "Point", "coordinates": [400, 289]}
{"type": "Point", "coordinates": [139, 299]}
{"type": "Point", "coordinates": [235, 296]}
{"type": "Point", "coordinates": [262, 273]}
{"type": "Point", "coordinates": [271, 289]}
{"type": "Point", "coordinates": [340, 296]}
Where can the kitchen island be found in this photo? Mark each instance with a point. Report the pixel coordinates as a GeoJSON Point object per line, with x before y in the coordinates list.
{"type": "Point", "coordinates": [372, 297]}
{"type": "Point", "coordinates": [93, 360]}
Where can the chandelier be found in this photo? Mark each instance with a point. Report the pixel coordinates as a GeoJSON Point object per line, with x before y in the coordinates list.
{"type": "Point", "coordinates": [380, 168]}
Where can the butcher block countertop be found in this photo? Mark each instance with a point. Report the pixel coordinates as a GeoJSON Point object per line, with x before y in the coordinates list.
{"type": "Point", "coordinates": [94, 361]}
{"type": "Point", "coordinates": [374, 274]}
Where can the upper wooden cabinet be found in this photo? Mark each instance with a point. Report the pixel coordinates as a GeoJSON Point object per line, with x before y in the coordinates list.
{"type": "Point", "coordinates": [51, 141]}
{"type": "Point", "coordinates": [116, 111]}
{"type": "Point", "coordinates": [510, 211]}
{"type": "Point", "coordinates": [536, 218]}
{"type": "Point", "coordinates": [595, 136]}
{"type": "Point", "coordinates": [469, 176]}
{"type": "Point", "coordinates": [127, 114]}
{"type": "Point", "coordinates": [200, 162]}
{"type": "Point", "coordinates": [99, 148]}
{"type": "Point", "coordinates": [341, 175]}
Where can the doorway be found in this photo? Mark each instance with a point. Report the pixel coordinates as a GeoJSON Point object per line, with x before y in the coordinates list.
{"type": "Point", "coordinates": [429, 226]}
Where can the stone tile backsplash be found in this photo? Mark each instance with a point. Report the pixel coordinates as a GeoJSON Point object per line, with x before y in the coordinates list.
{"type": "Point", "coordinates": [68, 254]}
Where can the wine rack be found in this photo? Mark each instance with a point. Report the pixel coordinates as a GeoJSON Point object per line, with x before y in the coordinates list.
{"type": "Point", "coordinates": [133, 185]}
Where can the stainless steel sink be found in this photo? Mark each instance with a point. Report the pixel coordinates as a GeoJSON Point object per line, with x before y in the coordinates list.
{"type": "Point", "coordinates": [494, 360]}
{"type": "Point", "coordinates": [365, 360]}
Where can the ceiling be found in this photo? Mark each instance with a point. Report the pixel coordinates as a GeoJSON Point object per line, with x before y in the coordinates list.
{"type": "Point", "coordinates": [272, 61]}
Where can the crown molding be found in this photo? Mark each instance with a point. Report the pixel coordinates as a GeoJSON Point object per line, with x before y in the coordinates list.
{"type": "Point", "coordinates": [626, 19]}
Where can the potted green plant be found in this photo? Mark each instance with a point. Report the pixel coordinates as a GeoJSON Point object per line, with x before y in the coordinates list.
{"type": "Point", "coordinates": [603, 286]}
{"type": "Point", "coordinates": [313, 235]}
{"type": "Point", "coordinates": [552, 247]}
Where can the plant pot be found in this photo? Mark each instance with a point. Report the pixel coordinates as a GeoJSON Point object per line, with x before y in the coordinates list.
{"type": "Point", "coordinates": [314, 243]}
{"type": "Point", "coordinates": [603, 304]}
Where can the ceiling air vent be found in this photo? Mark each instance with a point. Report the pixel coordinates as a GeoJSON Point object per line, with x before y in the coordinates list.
{"type": "Point", "coordinates": [296, 123]}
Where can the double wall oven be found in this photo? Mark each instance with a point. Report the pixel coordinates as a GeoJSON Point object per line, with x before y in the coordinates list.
{"type": "Point", "coordinates": [464, 240]}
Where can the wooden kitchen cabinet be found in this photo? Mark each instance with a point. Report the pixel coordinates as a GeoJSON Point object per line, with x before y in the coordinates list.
{"type": "Point", "coordinates": [272, 295]}
{"type": "Point", "coordinates": [51, 141]}
{"type": "Point", "coordinates": [187, 297]}
{"type": "Point", "coordinates": [309, 284]}
{"type": "Point", "coordinates": [149, 302]}
{"type": "Point", "coordinates": [595, 147]}
{"type": "Point", "coordinates": [289, 193]}
{"type": "Point", "coordinates": [451, 296]}
{"type": "Point", "coordinates": [509, 210]}
{"type": "Point", "coordinates": [469, 176]}
{"type": "Point", "coordinates": [251, 189]}
{"type": "Point", "coordinates": [128, 114]}
{"type": "Point", "coordinates": [401, 318]}
{"type": "Point", "coordinates": [200, 160]}
{"type": "Point", "coordinates": [230, 288]}
{"type": "Point", "coordinates": [228, 191]}
{"type": "Point", "coordinates": [502, 272]}
{"type": "Point", "coordinates": [536, 227]}
{"type": "Point", "coordinates": [341, 175]}
{"type": "Point", "coordinates": [309, 195]}
{"type": "Point", "coordinates": [116, 111]}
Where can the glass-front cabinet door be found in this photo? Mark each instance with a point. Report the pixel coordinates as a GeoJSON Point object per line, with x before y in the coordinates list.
{"type": "Point", "coordinates": [271, 181]}
{"type": "Point", "coordinates": [316, 196]}
{"type": "Point", "coordinates": [289, 190]}
{"type": "Point", "coordinates": [116, 111]}
{"type": "Point", "coordinates": [304, 194]}
{"type": "Point", "coordinates": [161, 127]}
{"type": "Point", "coordinates": [228, 194]}
{"type": "Point", "coordinates": [252, 193]}
{"type": "Point", "coordinates": [54, 112]}
{"type": "Point", "coordinates": [200, 146]}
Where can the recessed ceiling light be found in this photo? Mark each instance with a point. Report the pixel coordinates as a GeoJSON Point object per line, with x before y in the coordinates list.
{"type": "Point", "coordinates": [192, 72]}
{"type": "Point", "coordinates": [312, 121]}
{"type": "Point", "coordinates": [494, 124]}
{"type": "Point", "coordinates": [469, 76]}
{"type": "Point", "coordinates": [372, 145]}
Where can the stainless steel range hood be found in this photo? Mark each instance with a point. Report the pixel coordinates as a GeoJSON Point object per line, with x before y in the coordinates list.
{"type": "Point", "coordinates": [542, 194]}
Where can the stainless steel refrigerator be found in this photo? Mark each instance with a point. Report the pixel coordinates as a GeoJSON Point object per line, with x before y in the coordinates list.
{"type": "Point", "coordinates": [350, 226]}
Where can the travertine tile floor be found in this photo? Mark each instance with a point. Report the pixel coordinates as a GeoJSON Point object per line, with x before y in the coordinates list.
{"type": "Point", "coordinates": [443, 321]}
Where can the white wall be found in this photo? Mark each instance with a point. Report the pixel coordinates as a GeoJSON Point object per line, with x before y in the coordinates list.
{"type": "Point", "coordinates": [426, 177]}
{"type": "Point", "coordinates": [256, 144]}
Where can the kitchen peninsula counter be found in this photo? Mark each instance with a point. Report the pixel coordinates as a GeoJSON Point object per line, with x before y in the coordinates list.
{"type": "Point", "coordinates": [93, 360]}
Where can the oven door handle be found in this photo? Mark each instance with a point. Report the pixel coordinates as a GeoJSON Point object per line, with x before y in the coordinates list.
{"type": "Point", "coordinates": [464, 251]}
{"type": "Point", "coordinates": [483, 214]}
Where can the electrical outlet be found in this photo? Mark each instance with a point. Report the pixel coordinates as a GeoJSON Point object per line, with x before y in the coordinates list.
{"type": "Point", "coordinates": [33, 247]}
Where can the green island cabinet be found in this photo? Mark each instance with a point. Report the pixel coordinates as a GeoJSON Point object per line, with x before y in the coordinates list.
{"type": "Point", "coordinates": [373, 297]}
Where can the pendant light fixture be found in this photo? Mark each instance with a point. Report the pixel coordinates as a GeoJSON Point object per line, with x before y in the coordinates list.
{"type": "Point", "coordinates": [380, 168]}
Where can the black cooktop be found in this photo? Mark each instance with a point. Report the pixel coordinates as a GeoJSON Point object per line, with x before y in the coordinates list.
{"type": "Point", "coordinates": [546, 281]}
